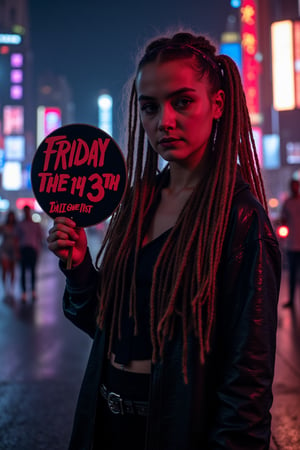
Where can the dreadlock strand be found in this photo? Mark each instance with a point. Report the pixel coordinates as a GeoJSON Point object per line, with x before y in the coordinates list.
{"type": "Point", "coordinates": [253, 177]}
{"type": "Point", "coordinates": [132, 123]}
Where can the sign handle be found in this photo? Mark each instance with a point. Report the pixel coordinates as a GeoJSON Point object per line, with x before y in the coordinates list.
{"type": "Point", "coordinates": [70, 255]}
{"type": "Point", "coordinates": [69, 260]}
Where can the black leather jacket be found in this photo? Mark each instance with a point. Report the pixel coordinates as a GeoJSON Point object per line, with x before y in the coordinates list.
{"type": "Point", "coordinates": [226, 404]}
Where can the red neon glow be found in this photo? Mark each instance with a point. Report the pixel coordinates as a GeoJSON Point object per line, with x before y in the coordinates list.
{"type": "Point", "coordinates": [22, 201]}
{"type": "Point", "coordinates": [4, 50]}
{"type": "Point", "coordinates": [250, 65]}
{"type": "Point", "coordinates": [283, 231]}
{"type": "Point", "coordinates": [52, 119]}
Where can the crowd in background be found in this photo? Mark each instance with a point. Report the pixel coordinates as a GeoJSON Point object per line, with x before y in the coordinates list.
{"type": "Point", "coordinates": [21, 243]}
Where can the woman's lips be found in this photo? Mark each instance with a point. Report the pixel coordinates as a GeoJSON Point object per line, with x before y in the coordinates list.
{"type": "Point", "coordinates": [165, 142]}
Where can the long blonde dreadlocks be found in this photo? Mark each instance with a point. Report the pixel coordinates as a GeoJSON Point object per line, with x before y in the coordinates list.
{"type": "Point", "coordinates": [184, 278]}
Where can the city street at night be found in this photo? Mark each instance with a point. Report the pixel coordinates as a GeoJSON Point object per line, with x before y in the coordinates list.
{"type": "Point", "coordinates": [175, 126]}
{"type": "Point", "coordinates": [43, 357]}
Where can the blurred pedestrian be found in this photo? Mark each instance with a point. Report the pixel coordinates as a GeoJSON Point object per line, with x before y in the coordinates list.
{"type": "Point", "coordinates": [31, 240]}
{"type": "Point", "coordinates": [182, 303]}
{"type": "Point", "coordinates": [9, 251]}
{"type": "Point", "coordinates": [290, 217]}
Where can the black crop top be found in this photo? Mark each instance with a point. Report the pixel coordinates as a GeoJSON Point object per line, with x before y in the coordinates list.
{"type": "Point", "coordinates": [139, 347]}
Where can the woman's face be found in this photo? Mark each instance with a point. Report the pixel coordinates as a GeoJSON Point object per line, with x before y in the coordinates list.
{"type": "Point", "coordinates": [177, 110]}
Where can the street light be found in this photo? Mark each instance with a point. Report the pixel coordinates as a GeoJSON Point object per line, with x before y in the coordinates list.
{"type": "Point", "coordinates": [105, 106]}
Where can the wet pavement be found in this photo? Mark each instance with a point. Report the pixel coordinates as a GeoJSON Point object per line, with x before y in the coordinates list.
{"type": "Point", "coordinates": [43, 357]}
{"type": "Point", "coordinates": [42, 360]}
{"type": "Point", "coordinates": [286, 405]}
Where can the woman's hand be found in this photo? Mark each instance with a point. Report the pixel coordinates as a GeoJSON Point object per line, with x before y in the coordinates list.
{"type": "Point", "coordinates": [63, 236]}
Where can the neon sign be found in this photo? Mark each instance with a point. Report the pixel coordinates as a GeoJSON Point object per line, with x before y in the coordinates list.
{"type": "Point", "coordinates": [10, 39]}
{"type": "Point", "coordinates": [250, 66]}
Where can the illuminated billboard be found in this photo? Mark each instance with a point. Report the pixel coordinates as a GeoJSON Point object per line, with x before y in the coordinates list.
{"type": "Point", "coordinates": [13, 119]}
{"type": "Point", "coordinates": [271, 151]}
{"type": "Point", "coordinates": [297, 62]}
{"type": "Point", "coordinates": [14, 148]}
{"type": "Point", "coordinates": [10, 39]}
{"type": "Point", "coordinates": [233, 49]}
{"type": "Point", "coordinates": [250, 62]}
{"type": "Point", "coordinates": [283, 65]}
{"type": "Point", "coordinates": [293, 152]}
{"type": "Point", "coordinates": [48, 120]}
{"type": "Point", "coordinates": [231, 46]}
{"type": "Point", "coordinates": [12, 176]}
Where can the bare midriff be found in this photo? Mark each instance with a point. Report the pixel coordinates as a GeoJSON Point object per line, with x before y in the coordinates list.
{"type": "Point", "coordinates": [137, 366]}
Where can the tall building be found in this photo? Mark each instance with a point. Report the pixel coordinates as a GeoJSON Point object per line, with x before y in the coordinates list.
{"type": "Point", "coordinates": [249, 42]}
{"type": "Point", "coordinates": [17, 111]}
{"type": "Point", "coordinates": [29, 110]}
{"type": "Point", "coordinates": [54, 104]}
{"type": "Point", "coordinates": [281, 126]}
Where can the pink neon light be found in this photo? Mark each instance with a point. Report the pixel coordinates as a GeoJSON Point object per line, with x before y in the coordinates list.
{"type": "Point", "coordinates": [16, 76]}
{"type": "Point", "coordinates": [52, 119]}
{"type": "Point", "coordinates": [16, 92]}
{"type": "Point", "coordinates": [13, 119]}
{"type": "Point", "coordinates": [16, 60]}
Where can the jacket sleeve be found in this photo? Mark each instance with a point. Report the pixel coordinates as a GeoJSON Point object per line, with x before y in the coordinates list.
{"type": "Point", "coordinates": [80, 303]}
{"type": "Point", "coordinates": [247, 323]}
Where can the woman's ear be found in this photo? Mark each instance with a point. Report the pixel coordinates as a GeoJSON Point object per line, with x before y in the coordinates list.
{"type": "Point", "coordinates": [219, 100]}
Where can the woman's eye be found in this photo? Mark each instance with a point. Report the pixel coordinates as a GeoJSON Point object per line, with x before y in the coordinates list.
{"type": "Point", "coordinates": [183, 102]}
{"type": "Point", "coordinates": [149, 108]}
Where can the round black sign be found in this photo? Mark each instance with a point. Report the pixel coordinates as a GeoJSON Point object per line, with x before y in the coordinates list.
{"type": "Point", "coordinates": [79, 171]}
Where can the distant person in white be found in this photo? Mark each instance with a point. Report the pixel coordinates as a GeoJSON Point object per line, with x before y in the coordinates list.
{"type": "Point", "coordinates": [30, 239]}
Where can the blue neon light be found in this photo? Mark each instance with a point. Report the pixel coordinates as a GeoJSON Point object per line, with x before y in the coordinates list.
{"type": "Point", "coordinates": [235, 3]}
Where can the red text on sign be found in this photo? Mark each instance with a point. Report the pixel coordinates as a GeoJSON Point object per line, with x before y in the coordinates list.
{"type": "Point", "coordinates": [66, 154]}
{"type": "Point", "coordinates": [95, 185]}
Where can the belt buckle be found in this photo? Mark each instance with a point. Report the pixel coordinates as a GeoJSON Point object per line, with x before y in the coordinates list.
{"type": "Point", "coordinates": [115, 403]}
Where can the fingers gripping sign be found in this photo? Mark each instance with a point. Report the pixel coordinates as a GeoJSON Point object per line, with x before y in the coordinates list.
{"type": "Point", "coordinates": [67, 241]}
{"type": "Point", "coordinates": [79, 172]}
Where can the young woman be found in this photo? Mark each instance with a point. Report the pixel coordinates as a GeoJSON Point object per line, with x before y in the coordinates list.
{"type": "Point", "coordinates": [182, 307]}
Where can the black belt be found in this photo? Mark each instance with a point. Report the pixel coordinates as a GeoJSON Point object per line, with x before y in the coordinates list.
{"type": "Point", "coordinates": [119, 405]}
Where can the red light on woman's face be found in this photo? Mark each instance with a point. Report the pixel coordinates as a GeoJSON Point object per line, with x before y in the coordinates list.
{"type": "Point", "coordinates": [283, 231]}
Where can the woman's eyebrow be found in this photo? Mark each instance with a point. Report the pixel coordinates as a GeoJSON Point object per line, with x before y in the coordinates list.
{"type": "Point", "coordinates": [171, 94]}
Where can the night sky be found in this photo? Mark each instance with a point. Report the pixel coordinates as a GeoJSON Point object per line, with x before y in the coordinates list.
{"type": "Point", "coordinates": [94, 43]}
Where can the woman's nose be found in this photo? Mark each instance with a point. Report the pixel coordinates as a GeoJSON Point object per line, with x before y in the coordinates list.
{"type": "Point", "coordinates": [167, 119]}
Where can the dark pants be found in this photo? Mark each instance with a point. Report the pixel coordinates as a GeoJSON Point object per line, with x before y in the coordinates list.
{"type": "Point", "coordinates": [116, 431]}
{"type": "Point", "coordinates": [28, 263]}
{"type": "Point", "coordinates": [294, 265]}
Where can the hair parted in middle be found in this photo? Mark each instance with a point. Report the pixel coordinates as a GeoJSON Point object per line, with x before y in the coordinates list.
{"type": "Point", "coordinates": [184, 285]}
